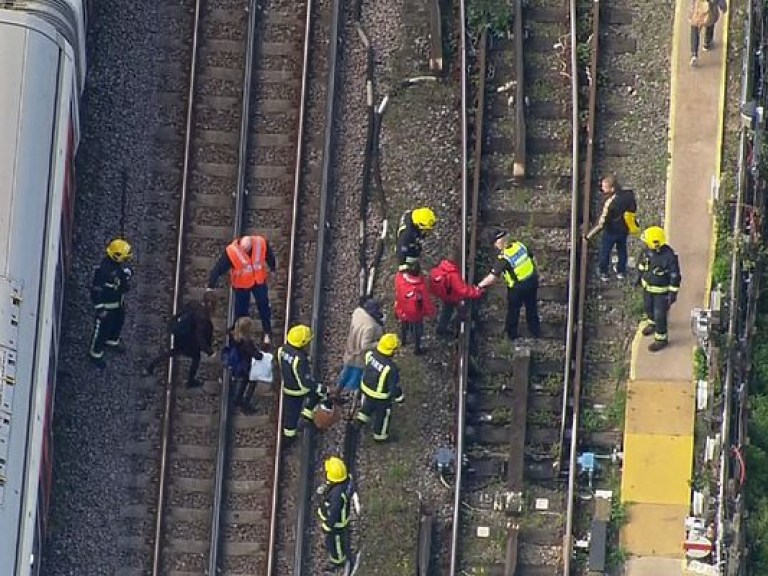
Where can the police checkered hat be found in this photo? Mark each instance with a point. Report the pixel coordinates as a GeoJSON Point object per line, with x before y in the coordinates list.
{"type": "Point", "coordinates": [499, 234]}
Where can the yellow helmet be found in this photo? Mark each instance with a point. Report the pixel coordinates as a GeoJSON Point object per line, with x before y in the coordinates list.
{"type": "Point", "coordinates": [388, 344]}
{"type": "Point", "coordinates": [424, 218]}
{"type": "Point", "coordinates": [335, 470]}
{"type": "Point", "coordinates": [119, 250]}
{"type": "Point", "coordinates": [654, 237]}
{"type": "Point", "coordinates": [299, 335]}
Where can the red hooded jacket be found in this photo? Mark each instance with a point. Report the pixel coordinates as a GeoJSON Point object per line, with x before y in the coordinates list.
{"type": "Point", "coordinates": [412, 300]}
{"type": "Point", "coordinates": [445, 283]}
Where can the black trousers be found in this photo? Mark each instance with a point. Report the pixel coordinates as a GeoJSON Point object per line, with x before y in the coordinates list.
{"type": "Point", "coordinates": [523, 294]}
{"type": "Point", "coordinates": [337, 546]}
{"type": "Point", "coordinates": [295, 406]}
{"type": "Point", "coordinates": [379, 413]}
{"type": "Point", "coordinates": [656, 310]}
{"type": "Point", "coordinates": [415, 328]}
{"type": "Point", "coordinates": [709, 33]}
{"type": "Point", "coordinates": [106, 330]}
{"type": "Point", "coordinates": [174, 352]}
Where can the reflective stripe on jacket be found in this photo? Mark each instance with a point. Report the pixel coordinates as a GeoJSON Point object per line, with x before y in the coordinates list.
{"type": "Point", "coordinates": [659, 270]}
{"type": "Point", "coordinates": [380, 377]}
{"type": "Point", "coordinates": [335, 510]}
{"type": "Point", "coordinates": [295, 371]}
{"type": "Point", "coordinates": [248, 270]}
{"type": "Point", "coordinates": [520, 264]}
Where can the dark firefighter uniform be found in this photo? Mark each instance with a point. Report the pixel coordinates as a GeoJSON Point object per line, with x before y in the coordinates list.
{"type": "Point", "coordinates": [413, 228]}
{"type": "Point", "coordinates": [515, 265]}
{"type": "Point", "coordinates": [660, 279]}
{"type": "Point", "coordinates": [335, 510]}
{"type": "Point", "coordinates": [380, 388]}
{"type": "Point", "coordinates": [300, 392]}
{"type": "Point", "coordinates": [110, 284]}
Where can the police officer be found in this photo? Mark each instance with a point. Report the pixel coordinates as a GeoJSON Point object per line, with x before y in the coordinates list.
{"type": "Point", "coordinates": [515, 264]}
{"type": "Point", "coordinates": [660, 278]}
{"type": "Point", "coordinates": [413, 228]}
{"type": "Point", "coordinates": [248, 260]}
{"type": "Point", "coordinates": [300, 392]}
{"type": "Point", "coordinates": [110, 283]}
{"type": "Point", "coordinates": [335, 510]}
{"type": "Point", "coordinates": [380, 386]}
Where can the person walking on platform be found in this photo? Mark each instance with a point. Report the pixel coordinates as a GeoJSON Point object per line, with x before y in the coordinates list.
{"type": "Point", "coordinates": [365, 329]}
{"type": "Point", "coordinates": [335, 510]}
{"type": "Point", "coordinates": [447, 285]}
{"type": "Point", "coordinates": [111, 281]}
{"type": "Point", "coordinates": [414, 226]}
{"type": "Point", "coordinates": [660, 278]}
{"type": "Point", "coordinates": [239, 354]}
{"type": "Point", "coordinates": [301, 393]}
{"type": "Point", "coordinates": [412, 304]}
{"type": "Point", "coordinates": [703, 15]}
{"type": "Point", "coordinates": [516, 265]}
{"type": "Point", "coordinates": [248, 260]}
{"type": "Point", "coordinates": [617, 221]}
{"type": "Point", "coordinates": [192, 331]}
{"type": "Point", "coordinates": [380, 387]}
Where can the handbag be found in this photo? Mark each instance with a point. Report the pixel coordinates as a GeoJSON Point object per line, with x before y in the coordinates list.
{"type": "Point", "coordinates": [261, 370]}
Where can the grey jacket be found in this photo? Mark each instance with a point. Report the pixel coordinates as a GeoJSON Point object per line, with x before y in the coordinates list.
{"type": "Point", "coordinates": [364, 333]}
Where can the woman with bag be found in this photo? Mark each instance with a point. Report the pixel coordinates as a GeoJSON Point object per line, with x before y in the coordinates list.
{"type": "Point", "coordinates": [704, 14]}
{"type": "Point", "coordinates": [239, 356]}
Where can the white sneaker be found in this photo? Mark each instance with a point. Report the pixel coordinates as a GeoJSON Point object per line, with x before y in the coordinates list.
{"type": "Point", "coordinates": [694, 59]}
{"type": "Point", "coordinates": [267, 339]}
{"type": "Point", "coordinates": [619, 275]}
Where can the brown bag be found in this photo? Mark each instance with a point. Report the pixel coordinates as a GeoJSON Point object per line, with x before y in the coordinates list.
{"type": "Point", "coordinates": [326, 415]}
{"type": "Point", "coordinates": [704, 13]}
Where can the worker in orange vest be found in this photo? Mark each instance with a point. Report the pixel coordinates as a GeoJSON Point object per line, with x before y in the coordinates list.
{"type": "Point", "coordinates": [248, 260]}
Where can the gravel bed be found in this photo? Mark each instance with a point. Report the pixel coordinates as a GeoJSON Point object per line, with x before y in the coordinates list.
{"type": "Point", "coordinates": [94, 410]}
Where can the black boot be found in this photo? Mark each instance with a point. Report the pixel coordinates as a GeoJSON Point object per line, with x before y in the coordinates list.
{"type": "Point", "coordinates": [247, 405]}
{"type": "Point", "coordinates": [403, 333]}
{"type": "Point", "coordinates": [240, 391]}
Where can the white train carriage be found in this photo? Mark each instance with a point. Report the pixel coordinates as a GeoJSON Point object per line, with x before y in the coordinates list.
{"type": "Point", "coordinates": [42, 72]}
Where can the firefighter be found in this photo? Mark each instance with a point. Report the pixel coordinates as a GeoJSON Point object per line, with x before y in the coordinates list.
{"type": "Point", "coordinates": [412, 304]}
{"type": "Point", "coordinates": [380, 386]}
{"type": "Point", "coordinates": [660, 278]}
{"type": "Point", "coordinates": [335, 510]}
{"type": "Point", "coordinates": [515, 264]}
{"type": "Point", "coordinates": [248, 260]}
{"type": "Point", "coordinates": [111, 280]}
{"type": "Point", "coordinates": [447, 285]}
{"type": "Point", "coordinates": [300, 392]}
{"type": "Point", "coordinates": [413, 228]}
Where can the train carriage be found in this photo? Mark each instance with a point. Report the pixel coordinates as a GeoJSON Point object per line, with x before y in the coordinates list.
{"type": "Point", "coordinates": [42, 63]}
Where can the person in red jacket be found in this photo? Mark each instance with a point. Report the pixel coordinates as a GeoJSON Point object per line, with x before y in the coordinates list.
{"type": "Point", "coordinates": [447, 285]}
{"type": "Point", "coordinates": [412, 304]}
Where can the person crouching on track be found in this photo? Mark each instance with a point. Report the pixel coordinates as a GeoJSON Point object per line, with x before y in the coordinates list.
{"type": "Point", "coordinates": [248, 260]}
{"type": "Point", "coordinates": [412, 304]}
{"type": "Point", "coordinates": [447, 285]}
{"type": "Point", "coordinates": [335, 510]}
{"type": "Point", "coordinates": [380, 386]}
{"type": "Point", "coordinates": [242, 351]}
{"type": "Point", "coordinates": [192, 331]}
{"type": "Point", "coordinates": [660, 278]}
{"type": "Point", "coordinates": [110, 284]}
{"type": "Point", "coordinates": [414, 226]}
{"type": "Point", "coordinates": [365, 329]}
{"type": "Point", "coordinates": [301, 393]}
{"type": "Point", "coordinates": [515, 264]}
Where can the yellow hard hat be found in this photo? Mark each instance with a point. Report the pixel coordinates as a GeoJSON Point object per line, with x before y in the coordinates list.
{"type": "Point", "coordinates": [654, 237]}
{"type": "Point", "coordinates": [335, 470]}
{"type": "Point", "coordinates": [424, 218]}
{"type": "Point", "coordinates": [119, 250]}
{"type": "Point", "coordinates": [388, 343]}
{"type": "Point", "coordinates": [300, 335]}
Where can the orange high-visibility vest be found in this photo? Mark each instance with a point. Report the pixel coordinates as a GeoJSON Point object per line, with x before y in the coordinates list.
{"type": "Point", "coordinates": [248, 270]}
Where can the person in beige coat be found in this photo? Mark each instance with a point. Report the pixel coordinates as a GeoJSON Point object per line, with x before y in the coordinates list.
{"type": "Point", "coordinates": [365, 329]}
{"type": "Point", "coordinates": [703, 15]}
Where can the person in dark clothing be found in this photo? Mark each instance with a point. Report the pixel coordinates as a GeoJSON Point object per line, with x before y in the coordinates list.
{"type": "Point", "coordinates": [660, 278]}
{"type": "Point", "coordinates": [335, 510]}
{"type": "Point", "coordinates": [301, 393]}
{"type": "Point", "coordinates": [617, 221]}
{"type": "Point", "coordinates": [380, 387]}
{"type": "Point", "coordinates": [414, 226]}
{"type": "Point", "coordinates": [192, 331]}
{"type": "Point", "coordinates": [108, 288]}
{"type": "Point", "coordinates": [246, 350]}
{"type": "Point", "coordinates": [248, 260]}
{"type": "Point", "coordinates": [516, 265]}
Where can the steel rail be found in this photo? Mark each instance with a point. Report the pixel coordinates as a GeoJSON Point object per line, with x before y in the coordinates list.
{"type": "Point", "coordinates": [579, 250]}
{"type": "Point", "coordinates": [237, 230]}
{"type": "Point", "coordinates": [177, 280]}
{"type": "Point", "coordinates": [274, 513]}
{"type": "Point", "coordinates": [468, 270]}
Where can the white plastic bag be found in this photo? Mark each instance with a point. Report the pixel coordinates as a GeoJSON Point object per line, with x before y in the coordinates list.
{"type": "Point", "coordinates": [261, 370]}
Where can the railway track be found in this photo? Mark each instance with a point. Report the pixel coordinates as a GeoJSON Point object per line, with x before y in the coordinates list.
{"type": "Point", "coordinates": [238, 140]}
